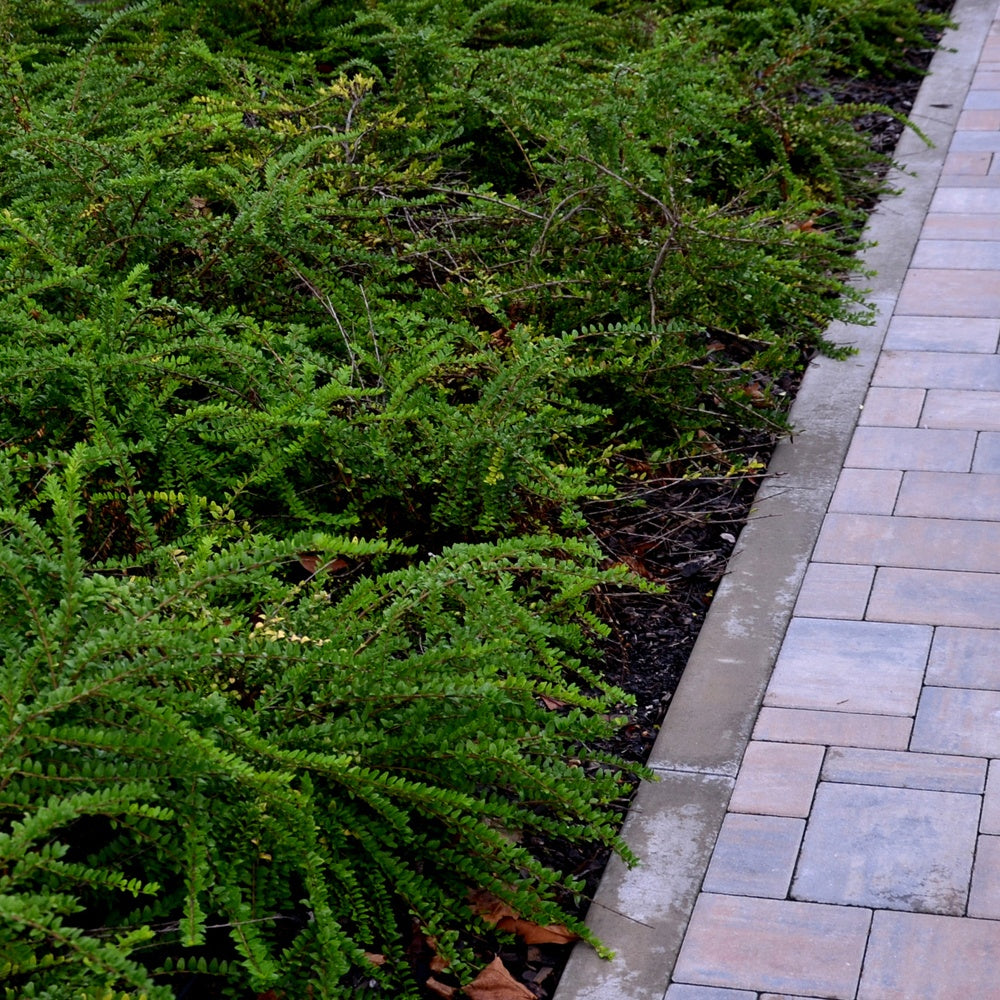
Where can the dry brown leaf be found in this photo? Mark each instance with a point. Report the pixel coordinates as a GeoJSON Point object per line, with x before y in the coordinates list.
{"type": "Point", "coordinates": [441, 989]}
{"type": "Point", "coordinates": [495, 911]}
{"type": "Point", "coordinates": [496, 983]}
{"type": "Point", "coordinates": [531, 933]}
{"type": "Point", "coordinates": [312, 563]}
{"type": "Point", "coordinates": [375, 959]}
{"type": "Point", "coordinates": [552, 703]}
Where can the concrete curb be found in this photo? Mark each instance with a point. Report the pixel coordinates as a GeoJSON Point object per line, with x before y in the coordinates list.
{"type": "Point", "coordinates": [642, 914]}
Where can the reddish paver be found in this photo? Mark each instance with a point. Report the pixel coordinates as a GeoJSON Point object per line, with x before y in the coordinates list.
{"type": "Point", "coordinates": [892, 407]}
{"type": "Point", "coordinates": [845, 666]}
{"type": "Point", "coordinates": [774, 945]}
{"type": "Point", "coordinates": [951, 292]}
{"type": "Point", "coordinates": [967, 496]}
{"type": "Point", "coordinates": [974, 164]}
{"type": "Point", "coordinates": [961, 408]}
{"type": "Point", "coordinates": [896, 769]}
{"type": "Point", "coordinates": [832, 590]}
{"type": "Point", "coordinates": [755, 856]}
{"type": "Point", "coordinates": [919, 956]}
{"type": "Point", "coordinates": [961, 226]}
{"type": "Point", "coordinates": [866, 491]}
{"type": "Point", "coordinates": [777, 779]}
{"type": "Point", "coordinates": [935, 597]}
{"type": "Point", "coordinates": [845, 729]}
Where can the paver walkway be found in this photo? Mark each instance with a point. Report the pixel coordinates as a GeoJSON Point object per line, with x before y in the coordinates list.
{"type": "Point", "coordinates": [857, 836]}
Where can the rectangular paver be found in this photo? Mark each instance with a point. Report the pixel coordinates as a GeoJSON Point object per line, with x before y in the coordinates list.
{"type": "Point", "coordinates": [919, 542]}
{"type": "Point", "coordinates": [866, 491]}
{"type": "Point", "coordinates": [834, 590]}
{"type": "Point", "coordinates": [755, 855]}
{"type": "Point", "coordinates": [777, 779]}
{"type": "Point", "coordinates": [888, 848]}
{"type": "Point", "coordinates": [911, 448]}
{"type": "Point", "coordinates": [845, 729]}
{"type": "Point", "coordinates": [954, 226]}
{"type": "Point", "coordinates": [947, 333]}
{"type": "Point", "coordinates": [896, 769]}
{"type": "Point", "coordinates": [967, 496]}
{"type": "Point", "coordinates": [961, 408]}
{"type": "Point", "coordinates": [989, 821]}
{"type": "Point", "coordinates": [918, 956]}
{"type": "Point", "coordinates": [956, 253]}
{"type": "Point", "coordinates": [845, 666]}
{"type": "Point", "coordinates": [774, 945]}
{"type": "Point", "coordinates": [935, 597]}
{"type": "Point", "coordinates": [888, 406]}
{"type": "Point", "coordinates": [958, 721]}
{"type": "Point", "coordinates": [984, 896]}
{"type": "Point", "coordinates": [951, 292]}
{"type": "Point", "coordinates": [965, 657]}
{"type": "Point", "coordinates": [939, 370]}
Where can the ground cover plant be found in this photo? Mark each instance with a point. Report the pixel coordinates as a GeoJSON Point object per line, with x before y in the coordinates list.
{"type": "Point", "coordinates": [323, 326]}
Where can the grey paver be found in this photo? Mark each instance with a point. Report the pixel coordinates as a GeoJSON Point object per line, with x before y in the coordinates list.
{"type": "Point", "coordinates": [958, 721]}
{"type": "Point", "coordinates": [888, 848]}
{"type": "Point", "coordinates": [984, 896]}
{"type": "Point", "coordinates": [948, 333]}
{"type": "Point", "coordinates": [779, 946]}
{"type": "Point", "coordinates": [919, 956]}
{"type": "Point", "coordinates": [834, 590]}
{"type": "Point", "coordinates": [989, 821]}
{"type": "Point", "coordinates": [965, 657]}
{"type": "Point", "coordinates": [754, 855]}
{"type": "Point", "coordinates": [987, 454]}
{"type": "Point", "coordinates": [680, 991]}
{"type": "Point", "coordinates": [892, 768]}
{"type": "Point", "coordinates": [918, 542]}
{"type": "Point", "coordinates": [936, 597]}
{"type": "Point", "coordinates": [845, 666]}
{"type": "Point", "coordinates": [911, 448]}
{"type": "Point", "coordinates": [952, 292]}
{"type": "Point", "coordinates": [939, 369]}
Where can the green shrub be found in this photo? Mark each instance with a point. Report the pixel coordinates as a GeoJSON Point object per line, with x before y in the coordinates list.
{"type": "Point", "coordinates": [318, 321]}
{"type": "Point", "coordinates": [207, 764]}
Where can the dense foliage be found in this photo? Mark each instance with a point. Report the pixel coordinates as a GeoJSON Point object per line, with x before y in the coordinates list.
{"type": "Point", "coordinates": [318, 321]}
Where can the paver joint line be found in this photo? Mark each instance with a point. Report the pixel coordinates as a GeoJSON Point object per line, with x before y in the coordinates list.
{"type": "Point", "coordinates": [827, 822]}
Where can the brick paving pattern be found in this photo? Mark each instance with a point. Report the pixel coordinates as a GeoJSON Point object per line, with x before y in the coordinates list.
{"type": "Point", "coordinates": [860, 855]}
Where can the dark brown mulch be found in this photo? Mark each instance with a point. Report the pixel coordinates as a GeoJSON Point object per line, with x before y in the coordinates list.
{"type": "Point", "coordinates": [680, 532]}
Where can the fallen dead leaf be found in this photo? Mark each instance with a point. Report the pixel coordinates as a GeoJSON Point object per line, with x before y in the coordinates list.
{"type": "Point", "coordinates": [495, 911]}
{"type": "Point", "coordinates": [441, 989]}
{"type": "Point", "coordinates": [496, 983]}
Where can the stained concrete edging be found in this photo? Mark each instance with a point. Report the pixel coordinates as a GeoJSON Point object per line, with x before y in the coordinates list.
{"type": "Point", "coordinates": [673, 823]}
